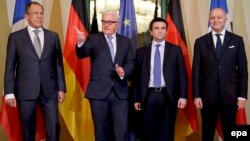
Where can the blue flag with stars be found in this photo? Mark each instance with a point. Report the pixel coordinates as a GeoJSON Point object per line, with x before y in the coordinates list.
{"type": "Point", "coordinates": [128, 28]}
{"type": "Point", "coordinates": [128, 25]}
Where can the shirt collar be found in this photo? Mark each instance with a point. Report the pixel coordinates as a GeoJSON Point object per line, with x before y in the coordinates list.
{"type": "Point", "coordinates": [223, 32]}
{"type": "Point", "coordinates": [113, 35]}
{"type": "Point", "coordinates": [162, 43]}
{"type": "Point", "coordinates": [31, 29]}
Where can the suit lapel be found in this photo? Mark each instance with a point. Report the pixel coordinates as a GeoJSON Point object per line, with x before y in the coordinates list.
{"type": "Point", "coordinates": [118, 47]}
{"type": "Point", "coordinates": [46, 39]}
{"type": "Point", "coordinates": [210, 42]}
{"type": "Point", "coordinates": [104, 42]}
{"type": "Point", "coordinates": [225, 44]}
{"type": "Point", "coordinates": [166, 54]}
{"type": "Point", "coordinates": [29, 42]}
{"type": "Point", "coordinates": [148, 56]}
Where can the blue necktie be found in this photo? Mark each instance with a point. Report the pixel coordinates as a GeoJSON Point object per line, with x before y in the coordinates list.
{"type": "Point", "coordinates": [157, 67]}
{"type": "Point", "coordinates": [111, 47]}
{"type": "Point", "coordinates": [218, 44]}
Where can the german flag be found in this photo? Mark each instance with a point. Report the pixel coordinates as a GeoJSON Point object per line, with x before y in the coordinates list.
{"type": "Point", "coordinates": [76, 110]}
{"type": "Point", "coordinates": [187, 120]}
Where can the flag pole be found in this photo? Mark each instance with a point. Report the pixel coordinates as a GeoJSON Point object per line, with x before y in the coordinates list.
{"type": "Point", "coordinates": [94, 26]}
{"type": "Point", "coordinates": [156, 9]}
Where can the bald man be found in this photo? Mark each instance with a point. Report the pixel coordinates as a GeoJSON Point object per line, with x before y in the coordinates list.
{"type": "Point", "coordinates": [220, 75]}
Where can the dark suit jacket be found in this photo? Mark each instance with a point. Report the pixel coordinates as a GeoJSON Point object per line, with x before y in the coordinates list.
{"type": "Point", "coordinates": [229, 70]}
{"type": "Point", "coordinates": [25, 72]}
{"type": "Point", "coordinates": [174, 73]}
{"type": "Point", "coordinates": [103, 75]}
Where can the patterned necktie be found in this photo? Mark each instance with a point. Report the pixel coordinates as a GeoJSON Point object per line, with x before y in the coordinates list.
{"type": "Point", "coordinates": [218, 44]}
{"type": "Point", "coordinates": [111, 47]}
{"type": "Point", "coordinates": [37, 44]}
{"type": "Point", "coordinates": [157, 67]}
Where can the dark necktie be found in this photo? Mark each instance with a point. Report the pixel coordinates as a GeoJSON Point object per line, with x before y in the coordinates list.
{"type": "Point", "coordinates": [157, 67]}
{"type": "Point", "coordinates": [37, 44]}
{"type": "Point", "coordinates": [111, 47]}
{"type": "Point", "coordinates": [218, 44]}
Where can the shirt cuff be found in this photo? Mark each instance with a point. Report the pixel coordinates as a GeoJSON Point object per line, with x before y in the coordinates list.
{"type": "Point", "coordinates": [241, 98]}
{"type": "Point", "coordinates": [79, 45]}
{"type": "Point", "coordinates": [9, 96]}
{"type": "Point", "coordinates": [183, 99]}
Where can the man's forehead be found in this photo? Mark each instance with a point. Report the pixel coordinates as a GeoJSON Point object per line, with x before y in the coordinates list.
{"type": "Point", "coordinates": [218, 11]}
{"type": "Point", "coordinates": [159, 24]}
{"type": "Point", "coordinates": [111, 16]}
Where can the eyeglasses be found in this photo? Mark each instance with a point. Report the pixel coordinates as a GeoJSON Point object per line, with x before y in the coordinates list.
{"type": "Point", "coordinates": [36, 13]}
{"type": "Point", "coordinates": [108, 22]}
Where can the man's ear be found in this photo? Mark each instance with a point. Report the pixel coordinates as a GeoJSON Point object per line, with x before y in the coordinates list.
{"type": "Point", "coordinates": [26, 16]}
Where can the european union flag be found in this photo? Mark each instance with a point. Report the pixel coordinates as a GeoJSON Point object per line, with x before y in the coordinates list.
{"type": "Point", "coordinates": [128, 26]}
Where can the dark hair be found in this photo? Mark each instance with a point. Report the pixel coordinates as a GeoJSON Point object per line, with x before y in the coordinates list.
{"type": "Point", "coordinates": [157, 20]}
{"type": "Point", "coordinates": [27, 7]}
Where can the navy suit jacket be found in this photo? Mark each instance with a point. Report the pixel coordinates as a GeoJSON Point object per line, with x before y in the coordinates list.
{"type": "Point", "coordinates": [25, 73]}
{"type": "Point", "coordinates": [229, 71]}
{"type": "Point", "coordinates": [103, 75]}
{"type": "Point", "coordinates": [174, 73]}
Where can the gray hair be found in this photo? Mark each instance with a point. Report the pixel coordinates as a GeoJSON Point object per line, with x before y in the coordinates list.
{"type": "Point", "coordinates": [110, 12]}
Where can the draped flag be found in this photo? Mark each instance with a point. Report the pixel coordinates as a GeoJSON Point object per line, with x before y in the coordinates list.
{"type": "Point", "coordinates": [18, 19]}
{"type": "Point", "coordinates": [128, 25]}
{"type": "Point", "coordinates": [10, 121]}
{"type": "Point", "coordinates": [220, 4]}
{"type": "Point", "coordinates": [187, 123]}
{"type": "Point", "coordinates": [9, 116]}
{"type": "Point", "coordinates": [241, 118]}
{"type": "Point", "coordinates": [76, 110]}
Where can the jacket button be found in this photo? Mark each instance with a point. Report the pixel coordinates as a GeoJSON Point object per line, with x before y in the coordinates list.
{"type": "Point", "coordinates": [219, 67]}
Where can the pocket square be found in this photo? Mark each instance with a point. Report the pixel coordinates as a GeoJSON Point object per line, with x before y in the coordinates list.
{"type": "Point", "coordinates": [231, 46]}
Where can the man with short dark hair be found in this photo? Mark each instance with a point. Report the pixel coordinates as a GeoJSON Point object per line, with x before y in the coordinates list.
{"type": "Point", "coordinates": [160, 84]}
{"type": "Point", "coordinates": [34, 74]}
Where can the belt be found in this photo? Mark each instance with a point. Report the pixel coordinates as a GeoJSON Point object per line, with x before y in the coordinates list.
{"type": "Point", "coordinates": [157, 89]}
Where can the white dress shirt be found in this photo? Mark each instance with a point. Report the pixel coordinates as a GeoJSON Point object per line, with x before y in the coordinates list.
{"type": "Point", "coordinates": [222, 36]}
{"type": "Point", "coordinates": [161, 49]}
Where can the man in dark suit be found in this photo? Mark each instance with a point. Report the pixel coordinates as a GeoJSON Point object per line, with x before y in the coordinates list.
{"type": "Point", "coordinates": [34, 74]}
{"type": "Point", "coordinates": [160, 85]}
{"type": "Point", "coordinates": [220, 75]}
{"type": "Point", "coordinates": [112, 63]}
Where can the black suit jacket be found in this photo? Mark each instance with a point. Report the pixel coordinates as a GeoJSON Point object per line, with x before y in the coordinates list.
{"type": "Point", "coordinates": [174, 73]}
{"type": "Point", "coordinates": [103, 75]}
{"type": "Point", "coordinates": [25, 73]}
{"type": "Point", "coordinates": [229, 71]}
